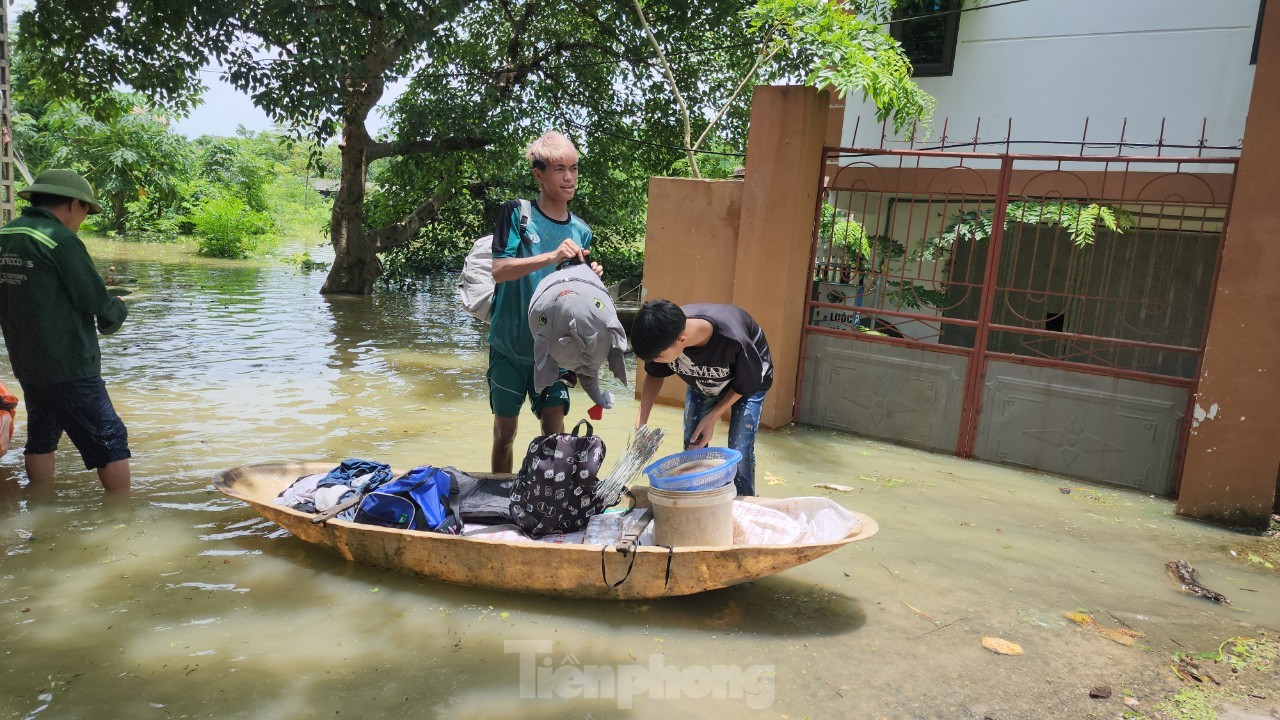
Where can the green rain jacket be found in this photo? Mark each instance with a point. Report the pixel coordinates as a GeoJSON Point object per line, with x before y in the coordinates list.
{"type": "Point", "coordinates": [51, 298]}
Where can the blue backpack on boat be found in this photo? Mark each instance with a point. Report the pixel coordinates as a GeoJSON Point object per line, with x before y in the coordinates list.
{"type": "Point", "coordinates": [417, 500]}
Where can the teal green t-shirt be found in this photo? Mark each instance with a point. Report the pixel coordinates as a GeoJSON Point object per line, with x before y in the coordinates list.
{"type": "Point", "coordinates": [509, 319]}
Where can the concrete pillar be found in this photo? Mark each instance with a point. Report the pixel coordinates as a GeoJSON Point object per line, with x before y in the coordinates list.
{"type": "Point", "coordinates": [690, 250]}
{"type": "Point", "coordinates": [1229, 475]}
{"type": "Point", "coordinates": [779, 198]}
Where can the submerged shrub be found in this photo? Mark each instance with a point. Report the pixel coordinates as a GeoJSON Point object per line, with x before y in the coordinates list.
{"type": "Point", "coordinates": [151, 220]}
{"type": "Point", "coordinates": [225, 227]}
{"type": "Point", "coordinates": [305, 262]}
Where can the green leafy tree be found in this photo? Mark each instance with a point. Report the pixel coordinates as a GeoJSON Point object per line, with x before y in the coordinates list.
{"type": "Point", "coordinates": [320, 67]}
{"type": "Point", "coordinates": [837, 45]}
{"type": "Point", "coordinates": [484, 78]}
{"type": "Point", "coordinates": [842, 45]}
{"type": "Point", "coordinates": [600, 90]}
{"type": "Point", "coordinates": [237, 165]}
{"type": "Point", "coordinates": [128, 154]}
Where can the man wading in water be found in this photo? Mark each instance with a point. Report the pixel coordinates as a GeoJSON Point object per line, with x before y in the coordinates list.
{"type": "Point", "coordinates": [520, 261]}
{"type": "Point", "coordinates": [51, 298]}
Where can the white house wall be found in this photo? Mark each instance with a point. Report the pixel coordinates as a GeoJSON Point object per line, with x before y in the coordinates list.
{"type": "Point", "coordinates": [1047, 65]}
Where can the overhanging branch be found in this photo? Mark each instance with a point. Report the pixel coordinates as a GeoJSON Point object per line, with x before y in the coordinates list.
{"type": "Point", "coordinates": [385, 238]}
{"type": "Point", "coordinates": [515, 72]}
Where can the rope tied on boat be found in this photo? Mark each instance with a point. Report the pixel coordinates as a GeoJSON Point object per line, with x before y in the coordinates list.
{"type": "Point", "coordinates": [633, 551]}
{"type": "Point", "coordinates": [604, 573]}
{"type": "Point", "coordinates": [630, 545]}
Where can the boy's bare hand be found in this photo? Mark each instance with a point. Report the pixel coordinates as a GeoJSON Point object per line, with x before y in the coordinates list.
{"type": "Point", "coordinates": [568, 250]}
{"type": "Point", "coordinates": [595, 268]}
{"type": "Point", "coordinates": [701, 436]}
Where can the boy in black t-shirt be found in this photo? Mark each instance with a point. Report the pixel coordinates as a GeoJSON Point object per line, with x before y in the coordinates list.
{"type": "Point", "coordinates": [721, 354]}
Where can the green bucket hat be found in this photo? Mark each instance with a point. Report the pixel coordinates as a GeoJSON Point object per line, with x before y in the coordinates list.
{"type": "Point", "coordinates": [65, 183]}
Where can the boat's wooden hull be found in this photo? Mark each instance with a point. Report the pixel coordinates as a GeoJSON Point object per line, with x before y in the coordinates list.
{"type": "Point", "coordinates": [525, 567]}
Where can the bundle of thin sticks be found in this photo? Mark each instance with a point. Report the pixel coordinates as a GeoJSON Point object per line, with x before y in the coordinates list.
{"type": "Point", "coordinates": [640, 450]}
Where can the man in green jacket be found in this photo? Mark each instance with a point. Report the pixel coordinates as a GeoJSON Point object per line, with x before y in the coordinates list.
{"type": "Point", "coordinates": [53, 303]}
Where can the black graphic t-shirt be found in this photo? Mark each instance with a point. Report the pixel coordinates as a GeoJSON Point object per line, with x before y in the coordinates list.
{"type": "Point", "coordinates": [735, 357]}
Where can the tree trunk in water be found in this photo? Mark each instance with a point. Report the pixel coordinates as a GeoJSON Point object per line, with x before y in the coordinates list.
{"type": "Point", "coordinates": [355, 264]}
{"type": "Point", "coordinates": [117, 214]}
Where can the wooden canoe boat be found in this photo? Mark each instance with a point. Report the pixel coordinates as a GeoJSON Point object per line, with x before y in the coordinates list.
{"type": "Point", "coordinates": [526, 567]}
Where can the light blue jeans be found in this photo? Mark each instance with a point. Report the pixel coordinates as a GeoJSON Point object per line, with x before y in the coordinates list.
{"type": "Point", "coordinates": [743, 421]}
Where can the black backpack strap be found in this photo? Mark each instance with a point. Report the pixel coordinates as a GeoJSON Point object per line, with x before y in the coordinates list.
{"type": "Point", "coordinates": [453, 500]}
{"type": "Point", "coordinates": [626, 492]}
{"type": "Point", "coordinates": [590, 430]}
{"type": "Point", "coordinates": [457, 526]}
{"type": "Point", "coordinates": [526, 211]}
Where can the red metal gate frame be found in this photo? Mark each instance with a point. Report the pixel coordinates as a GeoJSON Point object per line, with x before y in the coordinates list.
{"type": "Point", "coordinates": [980, 355]}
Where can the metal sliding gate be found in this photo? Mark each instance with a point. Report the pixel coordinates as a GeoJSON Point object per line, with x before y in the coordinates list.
{"type": "Point", "coordinates": [1044, 311]}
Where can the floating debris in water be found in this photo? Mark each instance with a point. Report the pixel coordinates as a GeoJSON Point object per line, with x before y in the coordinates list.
{"type": "Point", "coordinates": [922, 614]}
{"type": "Point", "coordinates": [1120, 635]}
{"type": "Point", "coordinates": [1000, 646]}
{"type": "Point", "coordinates": [834, 486]}
{"type": "Point", "coordinates": [1182, 572]}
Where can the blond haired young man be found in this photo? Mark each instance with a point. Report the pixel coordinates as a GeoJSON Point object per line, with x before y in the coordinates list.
{"type": "Point", "coordinates": [520, 261]}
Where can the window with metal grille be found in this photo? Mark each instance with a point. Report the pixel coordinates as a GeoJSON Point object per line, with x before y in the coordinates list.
{"type": "Point", "coordinates": [927, 30]}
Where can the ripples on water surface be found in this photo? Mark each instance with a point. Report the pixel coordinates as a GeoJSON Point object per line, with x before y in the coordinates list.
{"type": "Point", "coordinates": [182, 603]}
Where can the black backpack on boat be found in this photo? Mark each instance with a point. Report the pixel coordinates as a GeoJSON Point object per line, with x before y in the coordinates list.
{"type": "Point", "coordinates": [555, 488]}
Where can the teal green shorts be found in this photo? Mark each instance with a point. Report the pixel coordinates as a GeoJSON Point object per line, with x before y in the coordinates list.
{"type": "Point", "coordinates": [510, 383]}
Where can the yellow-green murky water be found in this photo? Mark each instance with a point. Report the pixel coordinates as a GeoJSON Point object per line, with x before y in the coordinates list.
{"type": "Point", "coordinates": [182, 603]}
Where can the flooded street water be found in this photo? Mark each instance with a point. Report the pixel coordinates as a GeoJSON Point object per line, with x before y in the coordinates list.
{"type": "Point", "coordinates": [183, 603]}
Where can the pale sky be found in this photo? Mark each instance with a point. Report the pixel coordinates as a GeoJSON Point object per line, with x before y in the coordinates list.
{"type": "Point", "coordinates": [225, 108]}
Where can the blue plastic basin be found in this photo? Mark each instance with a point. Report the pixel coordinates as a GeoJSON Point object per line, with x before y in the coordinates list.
{"type": "Point", "coordinates": [666, 474]}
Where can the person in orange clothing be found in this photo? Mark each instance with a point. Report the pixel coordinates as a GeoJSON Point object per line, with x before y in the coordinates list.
{"type": "Point", "coordinates": [8, 409]}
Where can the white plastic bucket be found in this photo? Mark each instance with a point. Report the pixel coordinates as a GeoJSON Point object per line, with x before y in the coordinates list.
{"type": "Point", "coordinates": [688, 519]}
